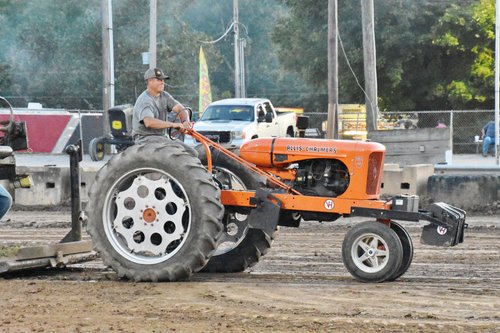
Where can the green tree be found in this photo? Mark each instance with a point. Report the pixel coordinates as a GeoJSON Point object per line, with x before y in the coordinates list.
{"type": "Point", "coordinates": [52, 51]}
{"type": "Point", "coordinates": [466, 37]}
{"type": "Point", "coordinates": [410, 68]}
{"type": "Point", "coordinates": [49, 52]}
{"type": "Point", "coordinates": [177, 50]}
{"type": "Point", "coordinates": [264, 75]}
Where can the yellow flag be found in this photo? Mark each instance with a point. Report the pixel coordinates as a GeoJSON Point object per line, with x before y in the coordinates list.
{"type": "Point", "coordinates": [205, 91]}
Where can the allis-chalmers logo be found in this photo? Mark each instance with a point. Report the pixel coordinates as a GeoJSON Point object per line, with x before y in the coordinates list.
{"type": "Point", "coordinates": [312, 149]}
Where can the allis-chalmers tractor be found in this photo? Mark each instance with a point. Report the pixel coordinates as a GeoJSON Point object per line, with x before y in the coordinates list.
{"type": "Point", "coordinates": [157, 213]}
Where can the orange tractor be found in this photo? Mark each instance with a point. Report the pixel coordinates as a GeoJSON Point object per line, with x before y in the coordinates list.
{"type": "Point", "coordinates": [157, 213]}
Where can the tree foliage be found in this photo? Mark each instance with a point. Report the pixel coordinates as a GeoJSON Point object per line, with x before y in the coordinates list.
{"type": "Point", "coordinates": [467, 38]}
{"type": "Point", "coordinates": [419, 58]}
{"type": "Point", "coordinates": [430, 54]}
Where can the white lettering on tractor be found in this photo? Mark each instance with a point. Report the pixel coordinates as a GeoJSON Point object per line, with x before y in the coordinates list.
{"type": "Point", "coordinates": [312, 149]}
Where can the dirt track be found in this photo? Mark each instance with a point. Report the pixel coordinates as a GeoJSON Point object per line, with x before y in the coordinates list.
{"type": "Point", "coordinates": [299, 286]}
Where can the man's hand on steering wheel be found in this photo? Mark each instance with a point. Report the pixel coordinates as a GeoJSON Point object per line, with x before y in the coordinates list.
{"type": "Point", "coordinates": [182, 127]}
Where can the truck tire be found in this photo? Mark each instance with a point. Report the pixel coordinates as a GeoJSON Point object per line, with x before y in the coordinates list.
{"type": "Point", "coordinates": [239, 247]}
{"type": "Point", "coordinates": [407, 245]}
{"type": "Point", "coordinates": [154, 213]}
{"type": "Point", "coordinates": [372, 252]}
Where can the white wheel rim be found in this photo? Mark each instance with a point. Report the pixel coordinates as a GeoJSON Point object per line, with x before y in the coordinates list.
{"type": "Point", "coordinates": [147, 216]}
{"type": "Point", "coordinates": [370, 253]}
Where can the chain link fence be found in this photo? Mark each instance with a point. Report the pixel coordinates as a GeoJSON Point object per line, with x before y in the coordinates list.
{"type": "Point", "coordinates": [465, 125]}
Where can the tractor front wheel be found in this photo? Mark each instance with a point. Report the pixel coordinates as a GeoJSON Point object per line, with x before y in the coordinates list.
{"type": "Point", "coordinates": [407, 244]}
{"type": "Point", "coordinates": [372, 252]}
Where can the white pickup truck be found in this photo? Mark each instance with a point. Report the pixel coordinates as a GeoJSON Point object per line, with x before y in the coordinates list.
{"type": "Point", "coordinates": [234, 121]}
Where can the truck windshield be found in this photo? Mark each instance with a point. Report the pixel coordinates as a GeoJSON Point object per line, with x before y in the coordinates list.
{"type": "Point", "coordinates": [228, 112]}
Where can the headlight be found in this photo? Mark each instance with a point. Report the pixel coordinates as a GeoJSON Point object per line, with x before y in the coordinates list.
{"type": "Point", "coordinates": [238, 134]}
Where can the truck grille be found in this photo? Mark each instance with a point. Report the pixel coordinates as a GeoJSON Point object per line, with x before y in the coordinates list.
{"type": "Point", "coordinates": [220, 137]}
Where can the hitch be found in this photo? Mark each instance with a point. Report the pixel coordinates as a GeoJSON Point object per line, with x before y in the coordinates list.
{"type": "Point", "coordinates": [71, 249]}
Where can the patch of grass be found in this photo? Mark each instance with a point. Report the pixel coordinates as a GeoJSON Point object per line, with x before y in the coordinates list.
{"type": "Point", "coordinates": [9, 251]}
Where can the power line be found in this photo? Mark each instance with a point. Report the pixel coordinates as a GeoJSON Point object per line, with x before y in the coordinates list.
{"type": "Point", "coordinates": [352, 71]}
{"type": "Point", "coordinates": [218, 39]}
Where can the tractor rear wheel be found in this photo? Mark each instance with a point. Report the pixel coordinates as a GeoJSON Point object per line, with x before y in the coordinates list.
{"type": "Point", "coordinates": [372, 252]}
{"type": "Point", "coordinates": [239, 247]}
{"type": "Point", "coordinates": [154, 213]}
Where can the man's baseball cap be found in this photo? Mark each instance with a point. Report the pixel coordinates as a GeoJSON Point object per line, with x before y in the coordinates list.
{"type": "Point", "coordinates": [155, 73]}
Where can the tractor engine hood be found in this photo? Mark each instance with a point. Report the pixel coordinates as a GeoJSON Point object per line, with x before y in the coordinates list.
{"type": "Point", "coordinates": [280, 152]}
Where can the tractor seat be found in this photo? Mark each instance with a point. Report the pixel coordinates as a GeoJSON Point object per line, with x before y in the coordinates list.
{"type": "Point", "coordinates": [5, 151]}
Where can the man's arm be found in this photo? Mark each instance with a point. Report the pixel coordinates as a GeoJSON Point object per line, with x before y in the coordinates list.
{"type": "Point", "coordinates": [182, 112]}
{"type": "Point", "coordinates": [483, 130]}
{"type": "Point", "coordinates": [183, 115]}
{"type": "Point", "coordinates": [154, 123]}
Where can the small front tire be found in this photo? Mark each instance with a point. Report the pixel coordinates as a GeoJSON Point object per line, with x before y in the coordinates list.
{"type": "Point", "coordinates": [372, 252]}
{"type": "Point", "coordinates": [407, 244]}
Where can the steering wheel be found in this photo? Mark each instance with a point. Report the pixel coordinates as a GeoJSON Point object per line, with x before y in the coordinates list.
{"type": "Point", "coordinates": [6, 125]}
{"type": "Point", "coordinates": [175, 133]}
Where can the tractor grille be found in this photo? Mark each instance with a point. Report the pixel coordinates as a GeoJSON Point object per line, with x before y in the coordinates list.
{"type": "Point", "coordinates": [220, 137]}
{"type": "Point", "coordinates": [374, 173]}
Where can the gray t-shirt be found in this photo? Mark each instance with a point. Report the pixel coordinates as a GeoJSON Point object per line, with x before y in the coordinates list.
{"type": "Point", "coordinates": [153, 107]}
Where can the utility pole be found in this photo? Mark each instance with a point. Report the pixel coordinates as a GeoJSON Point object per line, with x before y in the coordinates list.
{"type": "Point", "coordinates": [368, 22]}
{"type": "Point", "coordinates": [108, 68]}
{"type": "Point", "coordinates": [152, 34]}
{"type": "Point", "coordinates": [237, 49]}
{"type": "Point", "coordinates": [333, 70]}
{"type": "Point", "coordinates": [243, 93]}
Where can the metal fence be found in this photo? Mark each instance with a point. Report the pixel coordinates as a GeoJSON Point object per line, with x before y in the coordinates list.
{"type": "Point", "coordinates": [464, 125]}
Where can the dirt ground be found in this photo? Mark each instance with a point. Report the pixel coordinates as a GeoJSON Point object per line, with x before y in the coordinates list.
{"type": "Point", "coordinates": [299, 286]}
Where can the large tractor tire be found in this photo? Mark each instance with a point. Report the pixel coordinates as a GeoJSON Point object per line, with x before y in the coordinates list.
{"type": "Point", "coordinates": [239, 247]}
{"type": "Point", "coordinates": [372, 252]}
{"type": "Point", "coordinates": [154, 213]}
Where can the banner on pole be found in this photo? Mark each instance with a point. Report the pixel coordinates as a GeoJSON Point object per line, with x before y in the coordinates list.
{"type": "Point", "coordinates": [205, 97]}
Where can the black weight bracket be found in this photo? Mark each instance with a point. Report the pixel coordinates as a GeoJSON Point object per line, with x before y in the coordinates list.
{"type": "Point", "coordinates": [266, 214]}
{"type": "Point", "coordinates": [449, 235]}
